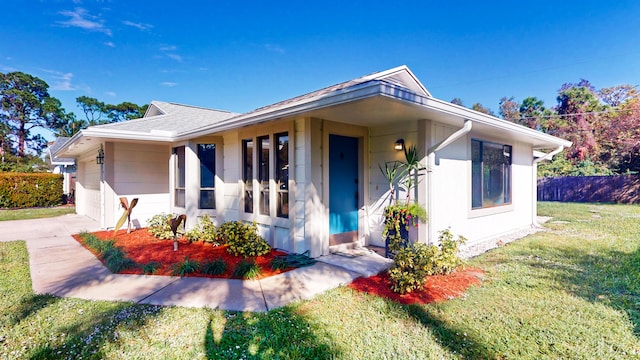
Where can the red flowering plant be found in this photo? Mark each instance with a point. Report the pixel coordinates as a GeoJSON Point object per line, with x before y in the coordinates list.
{"type": "Point", "coordinates": [399, 216]}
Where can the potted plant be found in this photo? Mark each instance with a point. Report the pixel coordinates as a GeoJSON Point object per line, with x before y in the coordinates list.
{"type": "Point", "coordinates": [400, 216]}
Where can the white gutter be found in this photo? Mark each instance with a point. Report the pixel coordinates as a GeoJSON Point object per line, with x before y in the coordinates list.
{"type": "Point", "coordinates": [431, 156]}
{"type": "Point", "coordinates": [534, 203]}
{"type": "Point", "coordinates": [549, 155]}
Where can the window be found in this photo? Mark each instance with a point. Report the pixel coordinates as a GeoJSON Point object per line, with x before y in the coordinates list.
{"type": "Point", "coordinates": [282, 174]}
{"type": "Point", "coordinates": [247, 174]}
{"type": "Point", "coordinates": [207, 157]}
{"type": "Point", "coordinates": [263, 173]}
{"type": "Point", "coordinates": [180, 175]}
{"type": "Point", "coordinates": [490, 174]}
{"type": "Point", "coordinates": [271, 156]}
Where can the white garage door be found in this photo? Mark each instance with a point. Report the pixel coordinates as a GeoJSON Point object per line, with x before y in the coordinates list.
{"type": "Point", "coordinates": [91, 187]}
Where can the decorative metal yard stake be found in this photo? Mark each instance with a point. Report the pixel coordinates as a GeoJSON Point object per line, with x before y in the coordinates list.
{"type": "Point", "coordinates": [174, 223]}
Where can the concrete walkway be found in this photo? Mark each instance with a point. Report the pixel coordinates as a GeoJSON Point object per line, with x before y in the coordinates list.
{"type": "Point", "coordinates": [61, 266]}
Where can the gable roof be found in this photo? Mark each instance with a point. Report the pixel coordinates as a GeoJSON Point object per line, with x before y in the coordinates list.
{"type": "Point", "coordinates": [166, 119]}
{"type": "Point", "coordinates": [380, 97]}
{"type": "Point", "coordinates": [56, 145]}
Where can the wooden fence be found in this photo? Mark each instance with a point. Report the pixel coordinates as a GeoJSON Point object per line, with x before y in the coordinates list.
{"type": "Point", "coordinates": [623, 189]}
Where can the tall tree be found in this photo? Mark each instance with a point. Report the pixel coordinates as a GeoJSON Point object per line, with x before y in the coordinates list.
{"type": "Point", "coordinates": [578, 105]}
{"type": "Point", "coordinates": [457, 101]}
{"type": "Point", "coordinates": [480, 108]}
{"type": "Point", "coordinates": [69, 125]}
{"type": "Point", "coordinates": [94, 111]}
{"type": "Point", "coordinates": [125, 111]}
{"type": "Point", "coordinates": [510, 109]}
{"type": "Point", "coordinates": [531, 110]}
{"type": "Point", "coordinates": [25, 104]}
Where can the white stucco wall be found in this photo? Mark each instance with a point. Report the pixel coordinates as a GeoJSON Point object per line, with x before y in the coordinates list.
{"type": "Point", "coordinates": [451, 190]}
{"type": "Point", "coordinates": [382, 140]}
{"type": "Point", "coordinates": [139, 171]}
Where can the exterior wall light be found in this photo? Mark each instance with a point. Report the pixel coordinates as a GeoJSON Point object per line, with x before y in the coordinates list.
{"type": "Point", "coordinates": [100, 157]}
{"type": "Point", "coordinates": [399, 145]}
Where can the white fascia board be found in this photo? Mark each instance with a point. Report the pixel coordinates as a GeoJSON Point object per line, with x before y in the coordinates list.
{"type": "Point", "coordinates": [74, 139]}
{"type": "Point", "coordinates": [485, 119]}
{"type": "Point", "coordinates": [369, 89]}
{"type": "Point", "coordinates": [154, 135]}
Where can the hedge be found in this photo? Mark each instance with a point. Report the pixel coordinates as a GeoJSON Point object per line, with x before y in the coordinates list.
{"type": "Point", "coordinates": [23, 190]}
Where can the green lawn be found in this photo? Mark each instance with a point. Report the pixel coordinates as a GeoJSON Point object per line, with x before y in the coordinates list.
{"type": "Point", "coordinates": [570, 292]}
{"type": "Point", "coordinates": [35, 213]}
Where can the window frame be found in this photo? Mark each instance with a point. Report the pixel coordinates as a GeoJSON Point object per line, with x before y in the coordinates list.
{"type": "Point", "coordinates": [507, 185]}
{"type": "Point", "coordinates": [282, 181]}
{"type": "Point", "coordinates": [273, 218]}
{"type": "Point", "coordinates": [177, 189]}
{"type": "Point", "coordinates": [213, 170]}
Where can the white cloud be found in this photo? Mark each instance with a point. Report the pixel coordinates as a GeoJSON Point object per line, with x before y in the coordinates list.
{"type": "Point", "coordinates": [274, 48]}
{"type": "Point", "coordinates": [175, 57]}
{"type": "Point", "coordinates": [168, 84]}
{"type": "Point", "coordinates": [139, 26]}
{"type": "Point", "coordinates": [111, 93]}
{"type": "Point", "coordinates": [81, 19]}
{"type": "Point", "coordinates": [169, 51]}
{"type": "Point", "coordinates": [168, 48]}
{"type": "Point", "coordinates": [62, 81]}
{"type": "Point", "coordinates": [110, 44]}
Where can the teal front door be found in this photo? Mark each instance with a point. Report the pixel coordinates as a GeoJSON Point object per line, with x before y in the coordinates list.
{"type": "Point", "coordinates": [343, 189]}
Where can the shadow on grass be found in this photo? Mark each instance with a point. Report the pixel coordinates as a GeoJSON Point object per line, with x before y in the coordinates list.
{"type": "Point", "coordinates": [86, 336]}
{"type": "Point", "coordinates": [608, 277]}
{"type": "Point", "coordinates": [281, 334]}
{"type": "Point", "coordinates": [458, 340]}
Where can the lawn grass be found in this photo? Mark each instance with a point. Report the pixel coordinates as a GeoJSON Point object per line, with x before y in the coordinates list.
{"type": "Point", "coordinates": [570, 292]}
{"type": "Point", "coordinates": [35, 213]}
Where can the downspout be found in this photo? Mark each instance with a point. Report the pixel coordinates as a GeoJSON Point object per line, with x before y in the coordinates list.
{"type": "Point", "coordinates": [534, 205]}
{"type": "Point", "coordinates": [431, 156]}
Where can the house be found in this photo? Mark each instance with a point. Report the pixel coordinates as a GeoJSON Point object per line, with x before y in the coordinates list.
{"type": "Point", "coordinates": [64, 166]}
{"type": "Point", "coordinates": [306, 169]}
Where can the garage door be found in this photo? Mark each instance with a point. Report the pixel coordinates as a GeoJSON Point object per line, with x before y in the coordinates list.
{"type": "Point", "coordinates": [91, 201]}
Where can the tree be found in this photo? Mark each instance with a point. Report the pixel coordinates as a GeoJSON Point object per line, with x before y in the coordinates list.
{"type": "Point", "coordinates": [125, 111]}
{"type": "Point", "coordinates": [616, 95]}
{"type": "Point", "coordinates": [94, 110]}
{"type": "Point", "coordinates": [577, 105]}
{"type": "Point", "coordinates": [510, 109]}
{"type": "Point", "coordinates": [531, 110]}
{"type": "Point", "coordinates": [69, 125]}
{"type": "Point", "coordinates": [456, 101]}
{"type": "Point", "coordinates": [25, 104]}
{"type": "Point", "coordinates": [98, 113]}
{"type": "Point", "coordinates": [480, 108]}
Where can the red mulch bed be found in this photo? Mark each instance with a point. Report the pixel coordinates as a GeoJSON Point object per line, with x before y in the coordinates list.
{"type": "Point", "coordinates": [142, 247]}
{"type": "Point", "coordinates": [437, 288]}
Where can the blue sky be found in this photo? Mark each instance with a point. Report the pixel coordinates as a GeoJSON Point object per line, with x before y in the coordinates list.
{"type": "Point", "coordinates": [246, 55]}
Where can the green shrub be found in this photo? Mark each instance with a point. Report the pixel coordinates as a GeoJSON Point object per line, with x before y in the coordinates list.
{"type": "Point", "coordinates": [150, 267]}
{"type": "Point", "coordinates": [116, 260]}
{"type": "Point", "coordinates": [22, 190]}
{"type": "Point", "coordinates": [185, 267]}
{"type": "Point", "coordinates": [215, 267]}
{"type": "Point", "coordinates": [413, 264]}
{"type": "Point", "coordinates": [246, 269]}
{"type": "Point", "coordinates": [243, 239]}
{"type": "Point", "coordinates": [159, 227]}
{"type": "Point", "coordinates": [113, 257]}
{"type": "Point", "coordinates": [448, 259]}
{"type": "Point", "coordinates": [279, 263]}
{"type": "Point", "coordinates": [205, 231]}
